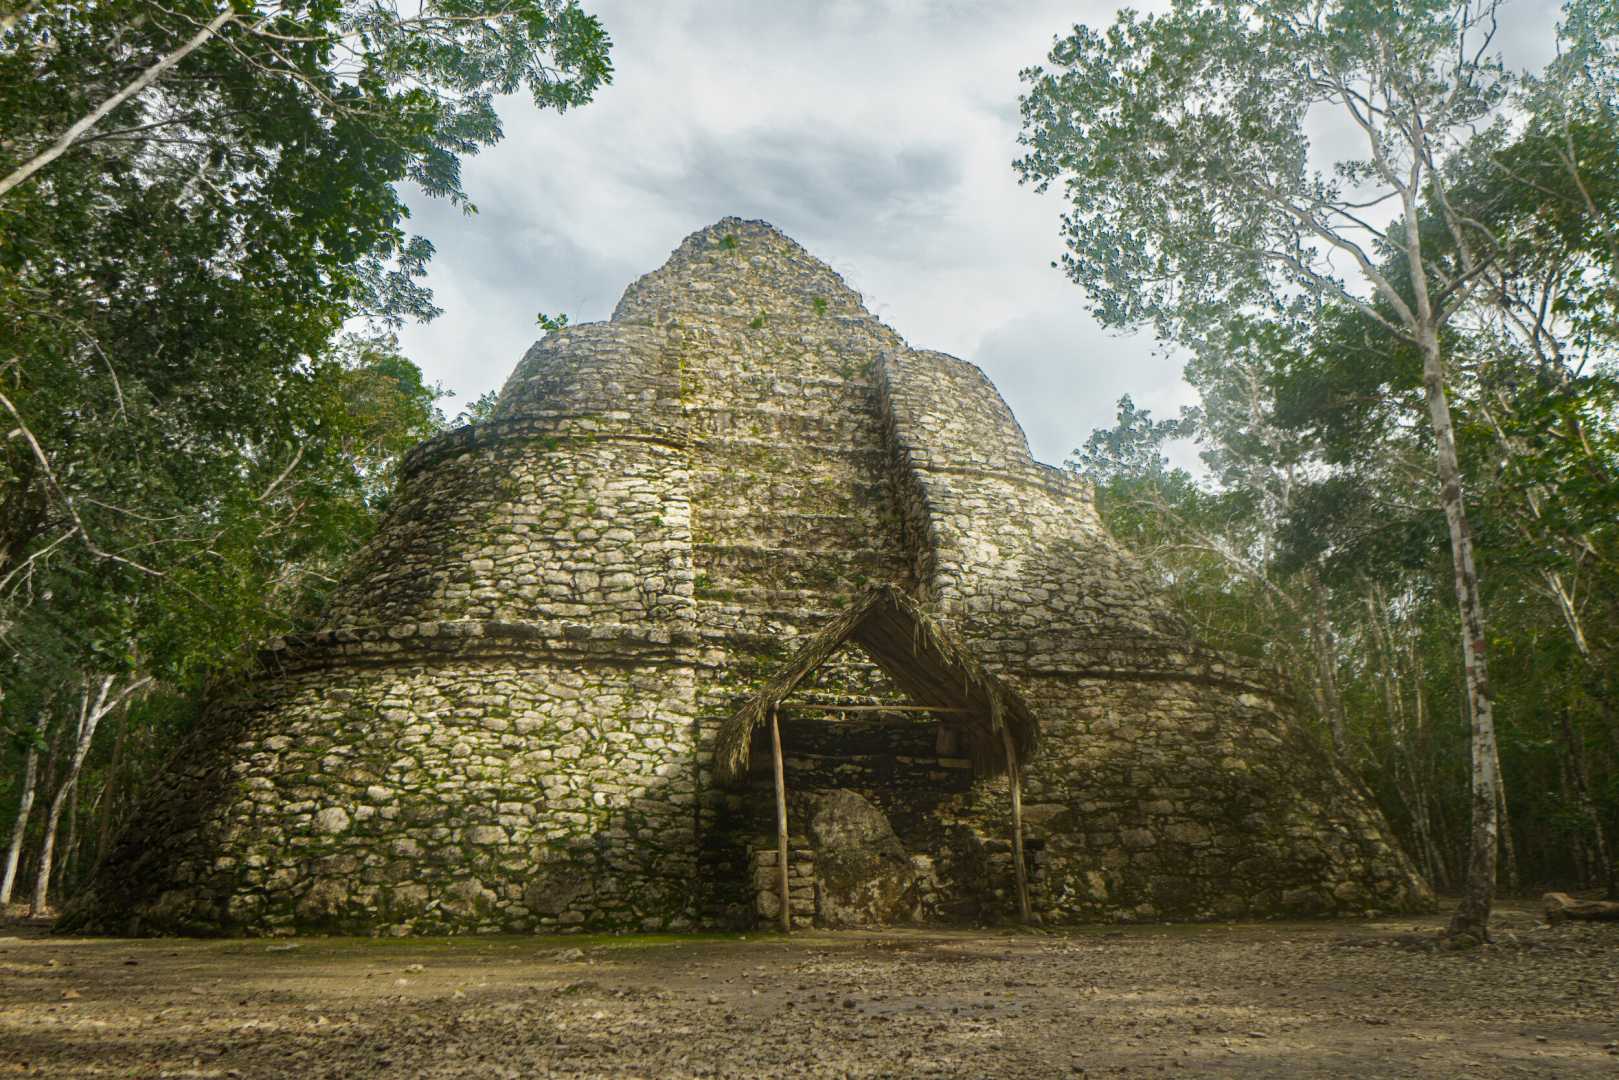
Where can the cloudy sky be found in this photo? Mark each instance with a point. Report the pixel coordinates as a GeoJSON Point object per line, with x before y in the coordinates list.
{"type": "Point", "coordinates": [877, 133]}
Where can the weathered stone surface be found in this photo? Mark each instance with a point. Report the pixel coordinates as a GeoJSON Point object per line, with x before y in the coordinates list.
{"type": "Point", "coordinates": [506, 719]}
{"type": "Point", "coordinates": [863, 874]}
{"type": "Point", "coordinates": [333, 819]}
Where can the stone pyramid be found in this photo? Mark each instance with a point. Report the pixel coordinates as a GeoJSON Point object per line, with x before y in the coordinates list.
{"type": "Point", "coordinates": [507, 721]}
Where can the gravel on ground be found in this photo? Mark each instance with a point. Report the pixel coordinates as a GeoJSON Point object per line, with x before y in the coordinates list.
{"type": "Point", "coordinates": [1374, 998]}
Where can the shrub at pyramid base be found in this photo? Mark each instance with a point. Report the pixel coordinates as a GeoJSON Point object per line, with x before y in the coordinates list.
{"type": "Point", "coordinates": [508, 722]}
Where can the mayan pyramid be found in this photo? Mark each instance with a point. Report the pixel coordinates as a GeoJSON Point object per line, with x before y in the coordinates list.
{"type": "Point", "coordinates": [509, 719]}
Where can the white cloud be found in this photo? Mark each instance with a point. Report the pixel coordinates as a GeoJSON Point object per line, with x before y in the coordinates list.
{"type": "Point", "coordinates": [877, 134]}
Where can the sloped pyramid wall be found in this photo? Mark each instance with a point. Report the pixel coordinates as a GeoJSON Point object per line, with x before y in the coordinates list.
{"type": "Point", "coordinates": [508, 722]}
{"type": "Point", "coordinates": [1172, 779]}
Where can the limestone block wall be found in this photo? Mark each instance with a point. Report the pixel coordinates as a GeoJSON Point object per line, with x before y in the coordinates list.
{"type": "Point", "coordinates": [789, 484]}
{"type": "Point", "coordinates": [498, 731]}
{"type": "Point", "coordinates": [474, 778]}
{"type": "Point", "coordinates": [1171, 779]}
{"type": "Point", "coordinates": [506, 722]}
{"type": "Point", "coordinates": [572, 504]}
{"type": "Point", "coordinates": [912, 769]}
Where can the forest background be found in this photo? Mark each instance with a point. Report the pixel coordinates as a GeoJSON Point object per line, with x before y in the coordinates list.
{"type": "Point", "coordinates": [204, 254]}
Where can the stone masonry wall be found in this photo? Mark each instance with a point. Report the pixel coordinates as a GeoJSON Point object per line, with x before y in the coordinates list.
{"type": "Point", "coordinates": [1170, 780]}
{"type": "Point", "coordinates": [791, 514]}
{"type": "Point", "coordinates": [507, 720]}
{"type": "Point", "coordinates": [447, 783]}
{"type": "Point", "coordinates": [498, 732]}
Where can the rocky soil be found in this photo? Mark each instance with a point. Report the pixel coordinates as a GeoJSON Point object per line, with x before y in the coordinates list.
{"type": "Point", "coordinates": [1363, 999]}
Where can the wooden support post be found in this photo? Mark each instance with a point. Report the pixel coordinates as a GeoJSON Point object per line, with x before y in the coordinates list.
{"type": "Point", "coordinates": [1014, 777]}
{"type": "Point", "coordinates": [781, 824]}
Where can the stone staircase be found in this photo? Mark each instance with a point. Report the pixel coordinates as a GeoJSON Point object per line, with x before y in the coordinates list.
{"type": "Point", "coordinates": [765, 863]}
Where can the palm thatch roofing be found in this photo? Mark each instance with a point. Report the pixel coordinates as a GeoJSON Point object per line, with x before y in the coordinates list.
{"type": "Point", "coordinates": [921, 656]}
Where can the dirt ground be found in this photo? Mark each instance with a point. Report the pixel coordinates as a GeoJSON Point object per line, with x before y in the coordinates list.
{"type": "Point", "coordinates": [1363, 999]}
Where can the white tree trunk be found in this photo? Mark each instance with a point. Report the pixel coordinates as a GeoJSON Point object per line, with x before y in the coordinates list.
{"type": "Point", "coordinates": [89, 718]}
{"type": "Point", "coordinates": [146, 78]}
{"type": "Point", "coordinates": [53, 817]}
{"type": "Point", "coordinates": [1509, 849]}
{"type": "Point", "coordinates": [1327, 672]}
{"type": "Point", "coordinates": [1473, 915]}
{"type": "Point", "coordinates": [25, 810]}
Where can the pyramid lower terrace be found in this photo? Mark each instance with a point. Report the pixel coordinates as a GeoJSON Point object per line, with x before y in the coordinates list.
{"type": "Point", "coordinates": [513, 719]}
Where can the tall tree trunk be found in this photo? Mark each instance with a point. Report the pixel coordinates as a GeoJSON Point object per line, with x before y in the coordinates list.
{"type": "Point", "coordinates": [25, 808]}
{"type": "Point", "coordinates": [1404, 769]}
{"type": "Point", "coordinates": [1579, 775]}
{"type": "Point", "coordinates": [1509, 847]}
{"type": "Point", "coordinates": [1326, 648]}
{"type": "Point", "coordinates": [1473, 914]}
{"type": "Point", "coordinates": [1417, 739]}
{"type": "Point", "coordinates": [51, 761]}
{"type": "Point", "coordinates": [109, 795]}
{"type": "Point", "coordinates": [53, 819]}
{"type": "Point", "coordinates": [70, 850]}
{"type": "Point", "coordinates": [90, 715]}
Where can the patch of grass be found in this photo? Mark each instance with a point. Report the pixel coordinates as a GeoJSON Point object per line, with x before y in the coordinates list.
{"type": "Point", "coordinates": [313, 947]}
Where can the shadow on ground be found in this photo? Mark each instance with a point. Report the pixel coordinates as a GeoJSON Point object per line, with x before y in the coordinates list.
{"type": "Point", "coordinates": [1364, 999]}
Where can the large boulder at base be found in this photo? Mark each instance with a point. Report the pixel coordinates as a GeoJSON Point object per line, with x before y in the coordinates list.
{"type": "Point", "coordinates": [863, 876]}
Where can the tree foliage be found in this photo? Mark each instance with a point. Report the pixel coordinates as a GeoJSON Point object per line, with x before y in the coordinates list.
{"type": "Point", "coordinates": [204, 245]}
{"type": "Point", "coordinates": [1314, 535]}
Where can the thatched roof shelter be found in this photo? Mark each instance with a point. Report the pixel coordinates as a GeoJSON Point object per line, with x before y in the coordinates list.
{"type": "Point", "coordinates": [921, 656]}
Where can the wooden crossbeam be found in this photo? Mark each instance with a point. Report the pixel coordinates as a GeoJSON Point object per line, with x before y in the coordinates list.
{"type": "Point", "coordinates": [874, 708]}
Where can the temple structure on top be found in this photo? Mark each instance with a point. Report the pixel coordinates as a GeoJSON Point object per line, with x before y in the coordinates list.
{"type": "Point", "coordinates": [513, 718]}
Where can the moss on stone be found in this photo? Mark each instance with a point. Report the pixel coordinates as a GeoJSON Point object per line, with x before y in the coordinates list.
{"type": "Point", "coordinates": [512, 699]}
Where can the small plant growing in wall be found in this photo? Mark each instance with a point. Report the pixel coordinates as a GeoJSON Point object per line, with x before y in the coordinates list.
{"type": "Point", "coordinates": [759, 321]}
{"type": "Point", "coordinates": [548, 323]}
{"type": "Point", "coordinates": [819, 304]}
{"type": "Point", "coordinates": [728, 242]}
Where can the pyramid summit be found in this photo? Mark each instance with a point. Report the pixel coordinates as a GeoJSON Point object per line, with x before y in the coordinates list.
{"type": "Point", "coordinates": [533, 703]}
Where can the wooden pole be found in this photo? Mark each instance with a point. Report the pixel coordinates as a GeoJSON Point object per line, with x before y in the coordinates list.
{"type": "Point", "coordinates": [781, 823]}
{"type": "Point", "coordinates": [1014, 777]}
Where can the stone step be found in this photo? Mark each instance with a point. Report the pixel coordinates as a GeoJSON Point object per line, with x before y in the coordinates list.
{"type": "Point", "coordinates": [766, 625]}
{"type": "Point", "coordinates": [773, 383]}
{"type": "Point", "coordinates": [764, 457]}
{"type": "Point", "coordinates": [708, 425]}
{"type": "Point", "coordinates": [767, 611]}
{"type": "Point", "coordinates": [721, 567]}
{"type": "Point", "coordinates": [772, 527]}
{"type": "Point", "coordinates": [845, 491]}
{"type": "Point", "coordinates": [809, 608]}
